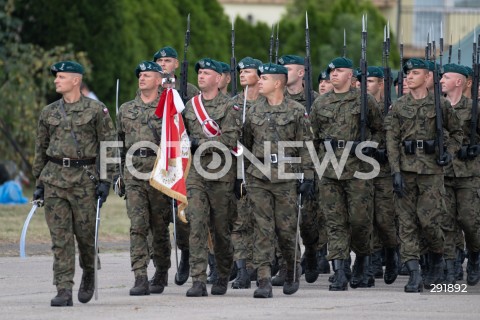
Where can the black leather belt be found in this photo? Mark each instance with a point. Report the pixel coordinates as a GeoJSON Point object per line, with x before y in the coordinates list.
{"type": "Point", "coordinates": [71, 162]}
{"type": "Point", "coordinates": [275, 158]}
{"type": "Point", "coordinates": [418, 143]}
{"type": "Point", "coordinates": [144, 152]}
{"type": "Point", "coordinates": [337, 144]}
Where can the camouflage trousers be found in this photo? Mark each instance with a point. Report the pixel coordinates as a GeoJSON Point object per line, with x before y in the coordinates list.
{"type": "Point", "coordinates": [149, 210]}
{"type": "Point", "coordinates": [420, 214]}
{"type": "Point", "coordinates": [384, 225]}
{"type": "Point", "coordinates": [274, 207]}
{"type": "Point", "coordinates": [463, 207]}
{"type": "Point", "coordinates": [71, 214]}
{"type": "Point", "coordinates": [242, 231]}
{"type": "Point", "coordinates": [209, 209]}
{"type": "Point", "coordinates": [348, 209]}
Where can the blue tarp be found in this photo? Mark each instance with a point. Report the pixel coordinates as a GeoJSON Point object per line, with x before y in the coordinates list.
{"type": "Point", "coordinates": [11, 193]}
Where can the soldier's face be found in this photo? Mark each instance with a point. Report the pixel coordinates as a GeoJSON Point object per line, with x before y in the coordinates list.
{"type": "Point", "coordinates": [248, 77]}
{"type": "Point", "coordinates": [168, 64]}
{"type": "Point", "coordinates": [417, 78]}
{"type": "Point", "coordinates": [266, 84]}
{"type": "Point", "coordinates": [149, 80]}
{"type": "Point", "coordinates": [295, 73]}
{"type": "Point", "coordinates": [66, 81]}
{"type": "Point", "coordinates": [450, 81]}
{"type": "Point", "coordinates": [374, 85]}
{"type": "Point", "coordinates": [324, 86]}
{"type": "Point", "coordinates": [340, 77]}
{"type": "Point", "coordinates": [224, 80]}
{"type": "Point", "coordinates": [208, 79]}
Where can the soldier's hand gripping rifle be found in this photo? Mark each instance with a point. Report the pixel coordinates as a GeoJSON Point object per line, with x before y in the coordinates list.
{"type": "Point", "coordinates": [308, 68]}
{"type": "Point", "coordinates": [473, 148]}
{"type": "Point", "coordinates": [363, 84]}
{"type": "Point", "coordinates": [184, 70]}
{"type": "Point", "coordinates": [386, 70]}
{"type": "Point", "coordinates": [233, 64]}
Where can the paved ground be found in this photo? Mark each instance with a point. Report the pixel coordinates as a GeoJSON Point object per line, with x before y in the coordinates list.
{"type": "Point", "coordinates": [26, 291]}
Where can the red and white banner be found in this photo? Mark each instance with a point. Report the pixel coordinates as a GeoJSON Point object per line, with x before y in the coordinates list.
{"type": "Point", "coordinates": [173, 157]}
{"type": "Point", "coordinates": [209, 126]}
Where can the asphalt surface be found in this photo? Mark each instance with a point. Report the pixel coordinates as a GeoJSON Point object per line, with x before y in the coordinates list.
{"type": "Point", "coordinates": [26, 290]}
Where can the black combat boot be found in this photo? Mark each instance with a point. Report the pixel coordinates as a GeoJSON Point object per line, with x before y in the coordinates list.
{"type": "Point", "coordinates": [450, 272]}
{"type": "Point", "coordinates": [415, 281]}
{"type": "Point", "coordinates": [459, 264]}
{"type": "Point", "coordinates": [348, 270]}
{"type": "Point", "coordinates": [368, 279]}
{"type": "Point", "coordinates": [242, 281]}
{"type": "Point", "coordinates": [376, 264]}
{"type": "Point", "coordinates": [322, 262]}
{"type": "Point", "coordinates": [424, 266]}
{"type": "Point", "coordinates": [220, 286]}
{"type": "Point", "coordinates": [264, 289]}
{"type": "Point", "coordinates": [311, 266]}
{"type": "Point", "coordinates": [198, 289]}
{"type": "Point", "coordinates": [340, 282]}
{"type": "Point", "coordinates": [233, 272]}
{"type": "Point", "coordinates": [87, 287]}
{"type": "Point", "coordinates": [391, 266]}
{"type": "Point", "coordinates": [473, 266]}
{"type": "Point", "coordinates": [292, 283]}
{"type": "Point", "coordinates": [183, 268]}
{"type": "Point", "coordinates": [358, 272]}
{"type": "Point", "coordinates": [435, 270]}
{"type": "Point", "coordinates": [62, 299]}
{"type": "Point", "coordinates": [212, 265]}
{"type": "Point", "coordinates": [159, 282]}
{"type": "Point", "coordinates": [279, 279]}
{"type": "Point", "coordinates": [141, 287]}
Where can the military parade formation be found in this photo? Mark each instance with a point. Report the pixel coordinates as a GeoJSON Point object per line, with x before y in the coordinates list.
{"type": "Point", "coordinates": [343, 169]}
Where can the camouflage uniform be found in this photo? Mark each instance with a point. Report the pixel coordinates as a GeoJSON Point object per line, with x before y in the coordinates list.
{"type": "Point", "coordinates": [70, 197]}
{"type": "Point", "coordinates": [210, 201]}
{"type": "Point", "coordinates": [462, 184]}
{"type": "Point", "coordinates": [274, 201]}
{"type": "Point", "coordinates": [423, 206]}
{"type": "Point", "coordinates": [347, 202]}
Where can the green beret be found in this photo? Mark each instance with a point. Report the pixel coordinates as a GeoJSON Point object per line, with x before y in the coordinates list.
{"type": "Point", "coordinates": [272, 68]}
{"type": "Point", "coordinates": [225, 67]}
{"type": "Point", "coordinates": [147, 66]}
{"type": "Point", "coordinates": [415, 63]}
{"type": "Point", "coordinates": [249, 63]}
{"type": "Point", "coordinates": [323, 76]}
{"type": "Point", "coordinates": [452, 67]}
{"type": "Point", "coordinates": [469, 70]}
{"type": "Point", "coordinates": [67, 66]}
{"type": "Point", "coordinates": [207, 63]}
{"type": "Point", "coordinates": [291, 59]}
{"type": "Point", "coordinates": [375, 72]}
{"type": "Point", "coordinates": [357, 73]}
{"type": "Point", "coordinates": [340, 62]}
{"type": "Point", "coordinates": [164, 53]}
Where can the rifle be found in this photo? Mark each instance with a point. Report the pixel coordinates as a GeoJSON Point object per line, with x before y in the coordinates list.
{"type": "Point", "coordinates": [438, 107]}
{"type": "Point", "coordinates": [474, 47]}
{"type": "Point", "coordinates": [441, 49]}
{"type": "Point", "coordinates": [473, 121]}
{"type": "Point", "coordinates": [450, 47]}
{"type": "Point", "coordinates": [233, 64]}
{"type": "Point", "coordinates": [459, 50]}
{"type": "Point", "coordinates": [277, 44]}
{"type": "Point", "coordinates": [184, 71]}
{"type": "Point", "coordinates": [270, 52]}
{"type": "Point", "coordinates": [400, 72]}
{"type": "Point", "coordinates": [308, 68]}
{"type": "Point", "coordinates": [387, 101]}
{"type": "Point", "coordinates": [344, 43]}
{"type": "Point", "coordinates": [363, 84]}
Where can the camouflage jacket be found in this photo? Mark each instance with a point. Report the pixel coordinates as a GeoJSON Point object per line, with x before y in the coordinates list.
{"type": "Point", "coordinates": [337, 117]}
{"type": "Point", "coordinates": [284, 122]}
{"type": "Point", "coordinates": [218, 111]}
{"type": "Point", "coordinates": [300, 97]}
{"type": "Point", "coordinates": [465, 168]}
{"type": "Point", "coordinates": [136, 122]}
{"type": "Point", "coordinates": [91, 123]}
{"type": "Point", "coordinates": [411, 119]}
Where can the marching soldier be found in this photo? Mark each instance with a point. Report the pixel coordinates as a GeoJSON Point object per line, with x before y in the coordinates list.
{"type": "Point", "coordinates": [467, 88]}
{"type": "Point", "coordinates": [418, 173]}
{"type": "Point", "coordinates": [167, 58]}
{"type": "Point", "coordinates": [210, 197]}
{"type": "Point", "coordinates": [346, 201]}
{"type": "Point", "coordinates": [66, 153]}
{"type": "Point", "coordinates": [149, 210]}
{"type": "Point", "coordinates": [274, 120]}
{"type": "Point", "coordinates": [226, 78]}
{"type": "Point", "coordinates": [324, 84]}
{"type": "Point", "coordinates": [462, 180]}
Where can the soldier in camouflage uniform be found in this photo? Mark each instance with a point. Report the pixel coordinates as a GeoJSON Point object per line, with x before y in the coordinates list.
{"type": "Point", "coordinates": [324, 84]}
{"type": "Point", "coordinates": [149, 210]}
{"type": "Point", "coordinates": [462, 180]}
{"type": "Point", "coordinates": [210, 196]}
{"type": "Point", "coordinates": [274, 120]}
{"type": "Point", "coordinates": [242, 232]}
{"type": "Point", "coordinates": [384, 226]}
{"type": "Point", "coordinates": [167, 58]}
{"type": "Point", "coordinates": [418, 173]}
{"type": "Point", "coordinates": [347, 201]}
{"type": "Point", "coordinates": [66, 151]}
{"type": "Point", "coordinates": [226, 78]}
{"type": "Point", "coordinates": [310, 229]}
